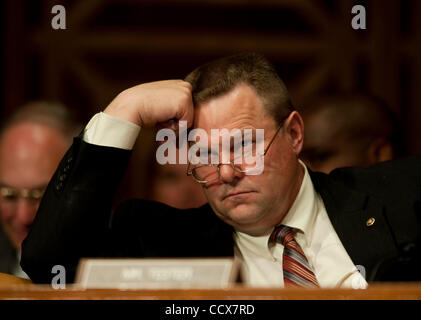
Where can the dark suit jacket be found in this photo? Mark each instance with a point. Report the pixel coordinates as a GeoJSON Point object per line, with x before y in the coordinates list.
{"type": "Point", "coordinates": [8, 255]}
{"type": "Point", "coordinates": [73, 220]}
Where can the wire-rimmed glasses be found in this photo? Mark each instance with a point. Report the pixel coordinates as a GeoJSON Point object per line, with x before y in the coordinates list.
{"type": "Point", "coordinates": [206, 173]}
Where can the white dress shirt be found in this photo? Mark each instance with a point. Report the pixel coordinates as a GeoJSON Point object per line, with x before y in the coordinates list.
{"type": "Point", "coordinates": [17, 269]}
{"type": "Point", "coordinates": [262, 262]}
{"type": "Point", "coordinates": [315, 234]}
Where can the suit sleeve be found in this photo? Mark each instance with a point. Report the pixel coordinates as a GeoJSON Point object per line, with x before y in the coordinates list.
{"type": "Point", "coordinates": [73, 218]}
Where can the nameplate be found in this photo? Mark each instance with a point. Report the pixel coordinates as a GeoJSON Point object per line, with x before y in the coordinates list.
{"type": "Point", "coordinates": [156, 273]}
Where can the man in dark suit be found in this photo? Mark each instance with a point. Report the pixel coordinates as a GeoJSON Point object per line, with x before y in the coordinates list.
{"type": "Point", "coordinates": [287, 224]}
{"type": "Point", "coordinates": [8, 256]}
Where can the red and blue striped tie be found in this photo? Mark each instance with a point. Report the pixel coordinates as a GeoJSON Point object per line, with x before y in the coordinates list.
{"type": "Point", "coordinates": [297, 270]}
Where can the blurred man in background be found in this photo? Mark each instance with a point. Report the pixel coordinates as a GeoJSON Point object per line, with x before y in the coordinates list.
{"type": "Point", "coordinates": [348, 130]}
{"type": "Point", "coordinates": [172, 186]}
{"type": "Point", "coordinates": [32, 142]}
{"type": "Point", "coordinates": [169, 184]}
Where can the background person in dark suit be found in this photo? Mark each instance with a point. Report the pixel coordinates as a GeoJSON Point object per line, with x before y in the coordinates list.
{"type": "Point", "coordinates": [32, 142]}
{"type": "Point", "coordinates": [353, 217]}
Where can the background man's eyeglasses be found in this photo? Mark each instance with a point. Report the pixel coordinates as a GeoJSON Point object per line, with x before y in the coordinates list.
{"type": "Point", "coordinates": [10, 195]}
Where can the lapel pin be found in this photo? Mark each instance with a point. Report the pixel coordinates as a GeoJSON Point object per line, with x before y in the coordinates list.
{"type": "Point", "coordinates": [370, 222]}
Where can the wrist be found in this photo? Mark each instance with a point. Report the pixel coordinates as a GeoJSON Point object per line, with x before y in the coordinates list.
{"type": "Point", "coordinates": [124, 107]}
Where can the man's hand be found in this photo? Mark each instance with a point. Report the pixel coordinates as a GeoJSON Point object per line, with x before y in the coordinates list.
{"type": "Point", "coordinates": [154, 103]}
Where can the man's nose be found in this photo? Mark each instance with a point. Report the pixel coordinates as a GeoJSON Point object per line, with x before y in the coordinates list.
{"type": "Point", "coordinates": [228, 174]}
{"type": "Point", "coordinates": [26, 211]}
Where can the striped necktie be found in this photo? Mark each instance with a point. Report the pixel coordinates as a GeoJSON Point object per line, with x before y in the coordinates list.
{"type": "Point", "coordinates": [297, 270]}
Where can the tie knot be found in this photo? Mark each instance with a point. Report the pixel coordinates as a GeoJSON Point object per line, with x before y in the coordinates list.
{"type": "Point", "coordinates": [282, 234]}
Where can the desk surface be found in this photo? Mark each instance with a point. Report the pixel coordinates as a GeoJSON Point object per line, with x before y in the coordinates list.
{"type": "Point", "coordinates": [378, 292]}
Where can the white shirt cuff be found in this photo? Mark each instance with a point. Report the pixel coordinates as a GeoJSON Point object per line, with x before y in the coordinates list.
{"type": "Point", "coordinates": [108, 131]}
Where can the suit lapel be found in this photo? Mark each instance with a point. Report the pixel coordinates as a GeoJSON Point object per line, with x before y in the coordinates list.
{"type": "Point", "coordinates": [359, 221]}
{"type": "Point", "coordinates": [8, 256]}
{"type": "Point", "coordinates": [217, 237]}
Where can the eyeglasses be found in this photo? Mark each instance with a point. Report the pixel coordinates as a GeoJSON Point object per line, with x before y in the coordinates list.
{"type": "Point", "coordinates": [11, 195]}
{"type": "Point", "coordinates": [210, 172]}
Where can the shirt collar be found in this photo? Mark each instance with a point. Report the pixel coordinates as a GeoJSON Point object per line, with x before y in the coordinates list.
{"type": "Point", "coordinates": [257, 245]}
{"type": "Point", "coordinates": [302, 213]}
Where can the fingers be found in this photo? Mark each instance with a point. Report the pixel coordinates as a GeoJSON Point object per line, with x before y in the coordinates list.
{"type": "Point", "coordinates": [186, 84]}
{"type": "Point", "coordinates": [186, 108]}
{"type": "Point", "coordinates": [182, 103]}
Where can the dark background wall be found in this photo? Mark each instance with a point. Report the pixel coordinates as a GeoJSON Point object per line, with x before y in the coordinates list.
{"type": "Point", "coordinates": [110, 45]}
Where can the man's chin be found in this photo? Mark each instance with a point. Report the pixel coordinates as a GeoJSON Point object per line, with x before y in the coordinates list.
{"type": "Point", "coordinates": [241, 215]}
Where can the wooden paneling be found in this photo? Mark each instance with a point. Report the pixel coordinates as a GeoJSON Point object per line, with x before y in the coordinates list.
{"type": "Point", "coordinates": [110, 45]}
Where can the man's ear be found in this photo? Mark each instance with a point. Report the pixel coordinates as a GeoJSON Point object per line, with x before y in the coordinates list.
{"type": "Point", "coordinates": [380, 150]}
{"type": "Point", "coordinates": [294, 129]}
